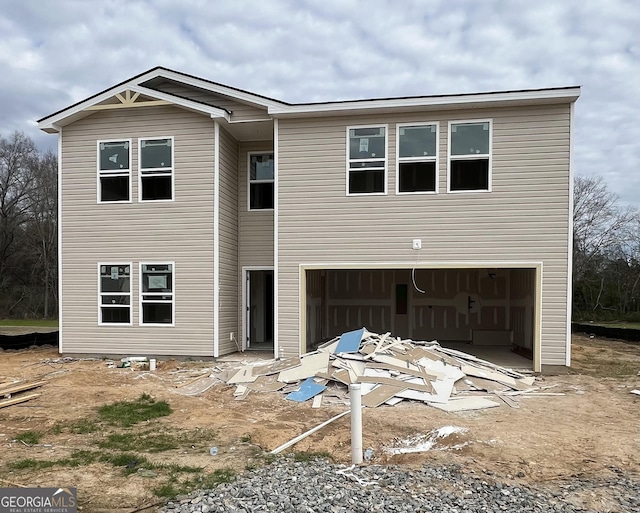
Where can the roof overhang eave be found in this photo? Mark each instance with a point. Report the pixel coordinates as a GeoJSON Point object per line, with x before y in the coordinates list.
{"type": "Point", "coordinates": [541, 97]}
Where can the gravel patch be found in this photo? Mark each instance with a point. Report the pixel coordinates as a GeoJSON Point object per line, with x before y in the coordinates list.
{"type": "Point", "coordinates": [317, 486]}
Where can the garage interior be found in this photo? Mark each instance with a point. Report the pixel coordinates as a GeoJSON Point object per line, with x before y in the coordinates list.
{"type": "Point", "coordinates": [489, 313]}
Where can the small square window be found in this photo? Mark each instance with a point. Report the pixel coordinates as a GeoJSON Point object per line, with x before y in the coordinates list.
{"type": "Point", "coordinates": [470, 156]}
{"type": "Point", "coordinates": [114, 294]}
{"type": "Point", "coordinates": [417, 158]}
{"type": "Point", "coordinates": [261, 181]}
{"type": "Point", "coordinates": [367, 160]}
{"type": "Point", "coordinates": [157, 300]}
{"type": "Point", "coordinates": [114, 171]}
{"type": "Point", "coordinates": [156, 169]}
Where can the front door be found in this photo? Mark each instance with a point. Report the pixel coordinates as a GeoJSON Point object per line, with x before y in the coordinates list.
{"type": "Point", "coordinates": [259, 310]}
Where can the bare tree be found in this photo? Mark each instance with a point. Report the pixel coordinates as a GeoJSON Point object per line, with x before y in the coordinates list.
{"type": "Point", "coordinates": [606, 251]}
{"type": "Point", "coordinates": [599, 223]}
{"type": "Point", "coordinates": [17, 154]}
{"type": "Point", "coordinates": [42, 238]}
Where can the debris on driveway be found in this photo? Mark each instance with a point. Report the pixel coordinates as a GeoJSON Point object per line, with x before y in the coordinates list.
{"type": "Point", "coordinates": [390, 370]}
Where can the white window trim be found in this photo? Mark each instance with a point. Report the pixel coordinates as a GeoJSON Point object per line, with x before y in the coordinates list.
{"type": "Point", "coordinates": [173, 294]}
{"type": "Point", "coordinates": [150, 171]}
{"type": "Point", "coordinates": [470, 157]}
{"type": "Point", "coordinates": [101, 294]}
{"type": "Point", "coordinates": [386, 160]}
{"type": "Point", "coordinates": [100, 172]}
{"type": "Point", "coordinates": [249, 181]}
{"type": "Point", "coordinates": [399, 159]}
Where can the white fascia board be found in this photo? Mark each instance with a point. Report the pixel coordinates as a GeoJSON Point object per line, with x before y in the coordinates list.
{"type": "Point", "coordinates": [242, 96]}
{"type": "Point", "coordinates": [49, 124]}
{"type": "Point", "coordinates": [568, 94]}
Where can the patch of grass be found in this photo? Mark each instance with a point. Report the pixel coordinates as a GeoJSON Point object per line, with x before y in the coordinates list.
{"type": "Point", "coordinates": [246, 438]}
{"type": "Point", "coordinates": [83, 426]}
{"type": "Point", "coordinates": [130, 462]}
{"type": "Point", "coordinates": [139, 442]}
{"type": "Point", "coordinates": [128, 413]}
{"type": "Point", "coordinates": [175, 486]}
{"type": "Point", "coordinates": [41, 323]}
{"type": "Point", "coordinates": [30, 464]}
{"type": "Point", "coordinates": [312, 455]}
{"type": "Point", "coordinates": [29, 437]}
{"type": "Point", "coordinates": [77, 459]}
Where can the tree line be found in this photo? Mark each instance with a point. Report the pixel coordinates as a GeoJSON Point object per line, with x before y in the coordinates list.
{"type": "Point", "coordinates": [606, 241]}
{"type": "Point", "coordinates": [28, 229]}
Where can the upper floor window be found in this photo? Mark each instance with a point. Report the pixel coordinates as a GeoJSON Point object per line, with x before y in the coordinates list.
{"type": "Point", "coordinates": [156, 169]}
{"type": "Point", "coordinates": [367, 160]}
{"type": "Point", "coordinates": [157, 300]}
{"type": "Point", "coordinates": [114, 171]}
{"type": "Point", "coordinates": [470, 156]}
{"type": "Point", "coordinates": [261, 180]}
{"type": "Point", "coordinates": [114, 295]}
{"type": "Point", "coordinates": [417, 158]}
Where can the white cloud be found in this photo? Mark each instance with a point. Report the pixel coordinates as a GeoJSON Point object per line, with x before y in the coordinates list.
{"type": "Point", "coordinates": [56, 53]}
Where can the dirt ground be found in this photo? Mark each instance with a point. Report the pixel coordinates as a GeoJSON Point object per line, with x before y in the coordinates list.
{"type": "Point", "coordinates": [590, 431]}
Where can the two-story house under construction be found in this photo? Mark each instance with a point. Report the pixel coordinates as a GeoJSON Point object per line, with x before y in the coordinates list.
{"type": "Point", "coordinates": [198, 219]}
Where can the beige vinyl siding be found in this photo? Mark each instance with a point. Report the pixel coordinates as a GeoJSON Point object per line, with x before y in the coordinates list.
{"type": "Point", "coordinates": [180, 231]}
{"type": "Point", "coordinates": [256, 226]}
{"type": "Point", "coordinates": [523, 219]}
{"type": "Point", "coordinates": [239, 111]}
{"type": "Point", "coordinates": [228, 201]}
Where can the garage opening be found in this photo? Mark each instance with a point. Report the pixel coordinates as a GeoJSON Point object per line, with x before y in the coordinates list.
{"type": "Point", "coordinates": [489, 313]}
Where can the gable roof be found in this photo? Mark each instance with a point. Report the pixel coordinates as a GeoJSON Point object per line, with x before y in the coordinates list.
{"type": "Point", "coordinates": [143, 86]}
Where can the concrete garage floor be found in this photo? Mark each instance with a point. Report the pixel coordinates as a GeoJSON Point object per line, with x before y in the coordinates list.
{"type": "Point", "coordinates": [499, 355]}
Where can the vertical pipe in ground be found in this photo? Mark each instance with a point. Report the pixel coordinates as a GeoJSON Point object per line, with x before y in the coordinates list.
{"type": "Point", "coordinates": [355, 394]}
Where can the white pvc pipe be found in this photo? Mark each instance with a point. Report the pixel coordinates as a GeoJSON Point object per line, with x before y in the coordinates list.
{"type": "Point", "coordinates": [355, 394]}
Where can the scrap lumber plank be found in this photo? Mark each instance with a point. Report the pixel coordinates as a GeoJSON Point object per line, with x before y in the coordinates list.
{"type": "Point", "coordinates": [473, 370]}
{"type": "Point", "coordinates": [414, 371]}
{"type": "Point", "coordinates": [635, 392]}
{"type": "Point", "coordinates": [276, 366]}
{"type": "Point", "coordinates": [265, 384]}
{"type": "Point", "coordinates": [202, 384]}
{"type": "Point", "coordinates": [317, 401]}
{"type": "Point", "coordinates": [342, 375]}
{"type": "Point", "coordinates": [507, 400]}
{"type": "Point", "coordinates": [380, 394]}
{"type": "Point", "coordinates": [14, 388]}
{"type": "Point", "coordinates": [244, 375]}
{"type": "Point", "coordinates": [309, 365]}
{"type": "Point", "coordinates": [17, 400]}
{"type": "Point", "coordinates": [398, 383]}
{"type": "Point", "coordinates": [466, 404]}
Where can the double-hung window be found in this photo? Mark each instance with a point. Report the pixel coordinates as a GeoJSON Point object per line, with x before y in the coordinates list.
{"type": "Point", "coordinates": [261, 181]}
{"type": "Point", "coordinates": [156, 169]}
{"type": "Point", "coordinates": [417, 152]}
{"type": "Point", "coordinates": [157, 298]}
{"type": "Point", "coordinates": [114, 171]}
{"type": "Point", "coordinates": [469, 156]}
{"type": "Point", "coordinates": [367, 160]}
{"type": "Point", "coordinates": [114, 299]}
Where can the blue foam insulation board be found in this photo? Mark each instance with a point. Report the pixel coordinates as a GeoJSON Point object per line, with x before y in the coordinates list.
{"type": "Point", "coordinates": [308, 389]}
{"type": "Point", "coordinates": [350, 341]}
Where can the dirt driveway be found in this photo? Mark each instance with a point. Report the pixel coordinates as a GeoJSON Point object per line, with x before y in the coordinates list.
{"type": "Point", "coordinates": [591, 430]}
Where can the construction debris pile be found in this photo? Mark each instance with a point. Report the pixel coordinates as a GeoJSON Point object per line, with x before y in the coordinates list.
{"type": "Point", "coordinates": [389, 371]}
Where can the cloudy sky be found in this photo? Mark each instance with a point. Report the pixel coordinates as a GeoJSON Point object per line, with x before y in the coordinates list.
{"type": "Point", "coordinates": [55, 53]}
